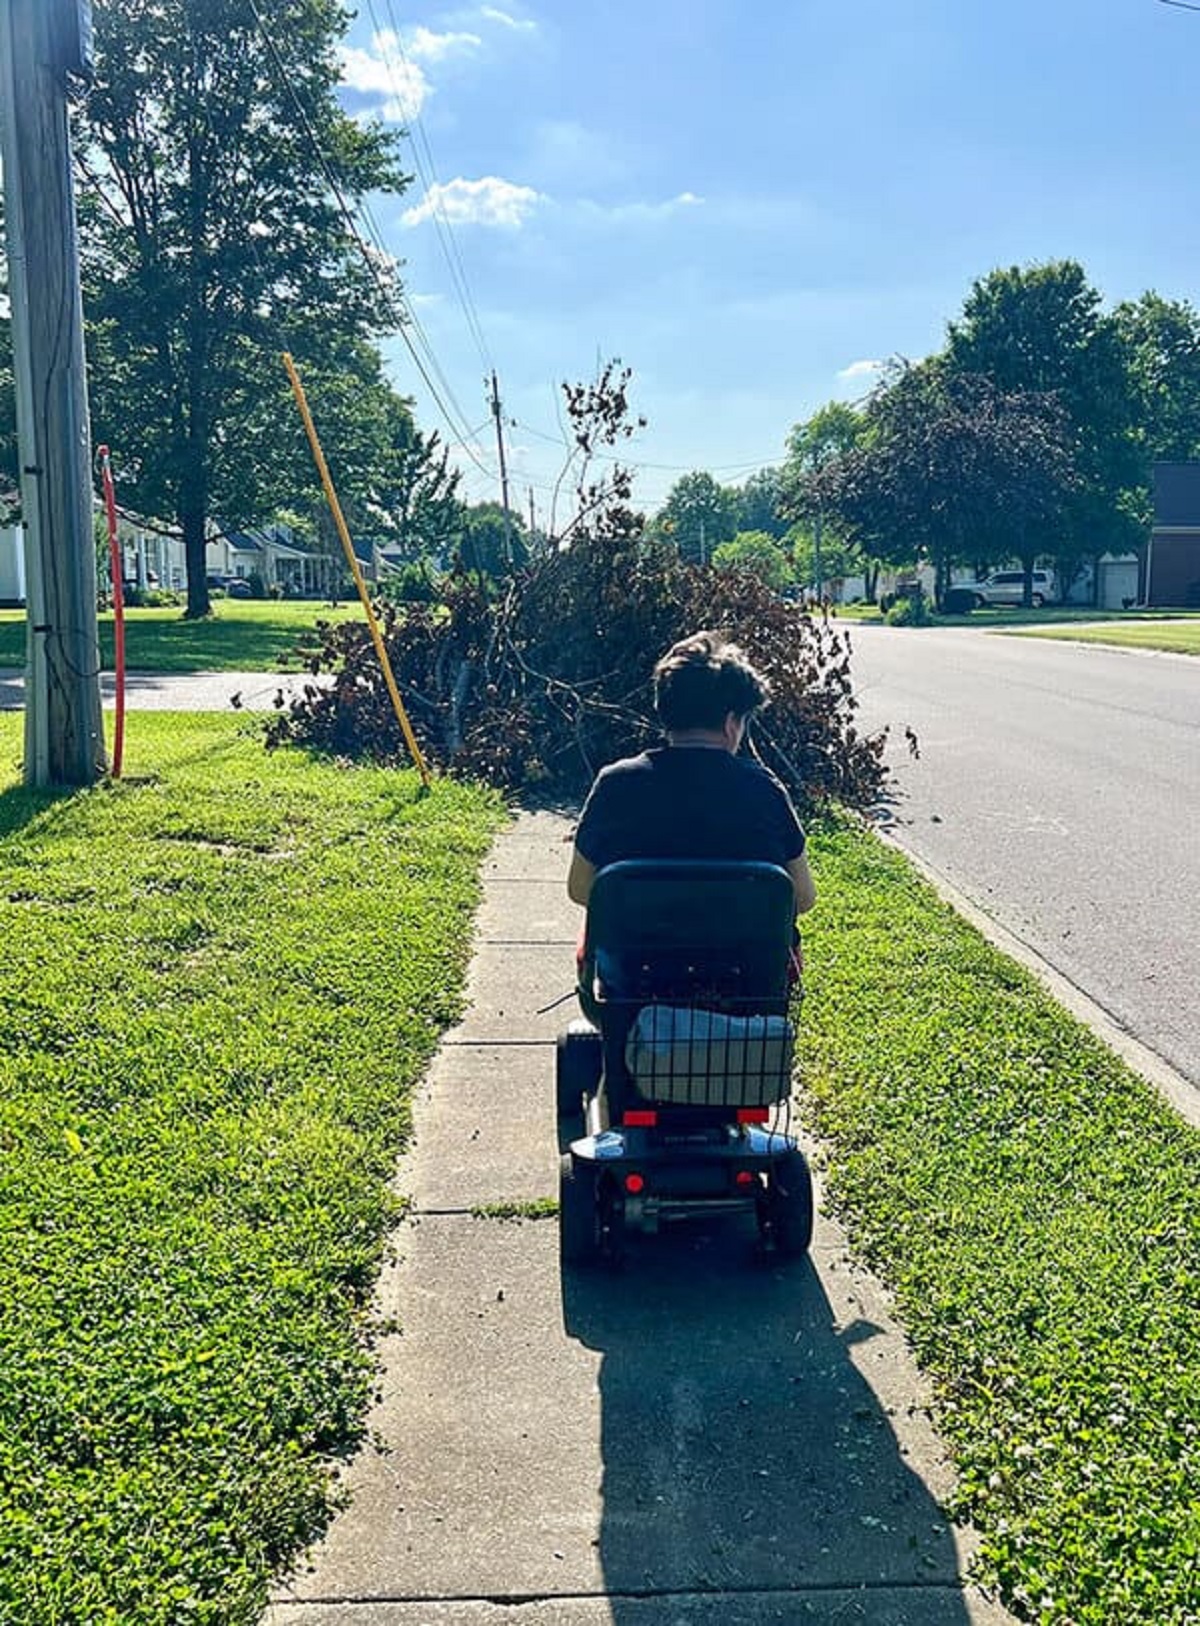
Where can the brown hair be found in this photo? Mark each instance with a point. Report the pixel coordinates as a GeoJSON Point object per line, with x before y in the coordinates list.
{"type": "Point", "coordinates": [701, 679]}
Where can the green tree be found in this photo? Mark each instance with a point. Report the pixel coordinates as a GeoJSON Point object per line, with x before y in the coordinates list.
{"type": "Point", "coordinates": [954, 470]}
{"type": "Point", "coordinates": [758, 504]}
{"type": "Point", "coordinates": [697, 517]}
{"type": "Point", "coordinates": [218, 160]}
{"type": "Point", "coordinates": [833, 430]}
{"type": "Point", "coordinates": [760, 554]}
{"type": "Point", "coordinates": [488, 544]}
{"type": "Point", "coordinates": [1040, 329]}
{"type": "Point", "coordinates": [1161, 339]}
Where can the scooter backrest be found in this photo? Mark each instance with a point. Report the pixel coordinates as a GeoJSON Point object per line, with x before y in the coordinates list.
{"type": "Point", "coordinates": [728, 921]}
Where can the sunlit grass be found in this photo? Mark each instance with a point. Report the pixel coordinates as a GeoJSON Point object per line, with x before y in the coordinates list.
{"type": "Point", "coordinates": [241, 635]}
{"type": "Point", "coordinates": [1036, 1208]}
{"type": "Point", "coordinates": [220, 982]}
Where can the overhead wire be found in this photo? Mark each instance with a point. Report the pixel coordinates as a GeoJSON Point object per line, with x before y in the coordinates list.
{"type": "Point", "coordinates": [427, 170]}
{"type": "Point", "coordinates": [391, 295]}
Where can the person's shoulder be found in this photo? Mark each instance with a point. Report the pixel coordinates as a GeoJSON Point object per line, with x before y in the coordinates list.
{"type": "Point", "coordinates": [625, 766]}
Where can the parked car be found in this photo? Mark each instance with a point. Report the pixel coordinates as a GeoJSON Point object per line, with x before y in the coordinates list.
{"type": "Point", "coordinates": [239, 587]}
{"type": "Point", "coordinates": [1008, 587]}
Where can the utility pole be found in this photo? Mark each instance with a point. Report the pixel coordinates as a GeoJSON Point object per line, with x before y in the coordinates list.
{"type": "Point", "coordinates": [43, 44]}
{"type": "Point", "coordinates": [508, 548]}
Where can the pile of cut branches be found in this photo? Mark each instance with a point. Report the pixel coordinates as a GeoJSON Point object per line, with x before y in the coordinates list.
{"type": "Point", "coordinates": [545, 685]}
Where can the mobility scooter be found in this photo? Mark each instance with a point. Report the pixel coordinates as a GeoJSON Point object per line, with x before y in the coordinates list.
{"type": "Point", "coordinates": [680, 1077]}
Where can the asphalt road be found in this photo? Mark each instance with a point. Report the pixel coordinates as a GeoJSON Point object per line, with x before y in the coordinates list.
{"type": "Point", "coordinates": [1058, 788]}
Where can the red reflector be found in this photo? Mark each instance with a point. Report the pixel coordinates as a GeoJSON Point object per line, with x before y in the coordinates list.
{"type": "Point", "coordinates": [634, 1183]}
{"type": "Point", "coordinates": [753, 1115]}
{"type": "Point", "coordinates": [641, 1118]}
{"type": "Point", "coordinates": [744, 1177]}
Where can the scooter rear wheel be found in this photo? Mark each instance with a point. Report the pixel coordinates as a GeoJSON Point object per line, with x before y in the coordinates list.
{"type": "Point", "coordinates": [578, 1216]}
{"type": "Point", "coordinates": [789, 1208]}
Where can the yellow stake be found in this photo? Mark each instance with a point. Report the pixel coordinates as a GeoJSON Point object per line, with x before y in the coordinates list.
{"type": "Point", "coordinates": [335, 509]}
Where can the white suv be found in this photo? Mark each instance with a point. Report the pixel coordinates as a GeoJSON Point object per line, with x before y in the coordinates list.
{"type": "Point", "coordinates": [1008, 587]}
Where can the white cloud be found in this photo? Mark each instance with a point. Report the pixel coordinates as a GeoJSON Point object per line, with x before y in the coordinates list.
{"type": "Point", "coordinates": [861, 369]}
{"type": "Point", "coordinates": [489, 201]}
{"type": "Point", "coordinates": [493, 15]}
{"type": "Point", "coordinates": [430, 47]}
{"type": "Point", "coordinates": [400, 87]}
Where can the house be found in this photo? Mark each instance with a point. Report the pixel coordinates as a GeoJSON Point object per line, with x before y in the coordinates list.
{"type": "Point", "coordinates": [269, 555]}
{"type": "Point", "coordinates": [1173, 557]}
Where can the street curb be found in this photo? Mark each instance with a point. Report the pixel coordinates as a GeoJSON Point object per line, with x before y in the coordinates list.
{"type": "Point", "coordinates": [1176, 1090]}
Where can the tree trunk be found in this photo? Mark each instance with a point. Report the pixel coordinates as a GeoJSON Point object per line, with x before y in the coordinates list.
{"type": "Point", "coordinates": [193, 518]}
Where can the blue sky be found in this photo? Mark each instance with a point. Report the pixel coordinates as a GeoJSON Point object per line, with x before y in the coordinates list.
{"type": "Point", "coordinates": [751, 204]}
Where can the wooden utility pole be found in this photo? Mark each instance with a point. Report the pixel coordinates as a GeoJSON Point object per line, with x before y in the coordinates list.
{"type": "Point", "coordinates": [43, 45]}
{"type": "Point", "coordinates": [508, 548]}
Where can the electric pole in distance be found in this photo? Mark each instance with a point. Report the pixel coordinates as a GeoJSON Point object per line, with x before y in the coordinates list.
{"type": "Point", "coordinates": [508, 547]}
{"type": "Point", "coordinates": [44, 44]}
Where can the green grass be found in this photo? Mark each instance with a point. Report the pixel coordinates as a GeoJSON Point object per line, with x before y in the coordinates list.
{"type": "Point", "coordinates": [1053, 621]}
{"type": "Point", "coordinates": [1181, 638]}
{"type": "Point", "coordinates": [1036, 1209]}
{"type": "Point", "coordinates": [241, 635]}
{"type": "Point", "coordinates": [219, 983]}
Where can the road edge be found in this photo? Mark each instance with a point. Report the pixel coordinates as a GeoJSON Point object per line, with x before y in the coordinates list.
{"type": "Point", "coordinates": [1179, 1094]}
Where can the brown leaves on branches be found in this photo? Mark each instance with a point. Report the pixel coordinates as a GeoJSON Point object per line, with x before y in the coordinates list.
{"type": "Point", "coordinates": [544, 687]}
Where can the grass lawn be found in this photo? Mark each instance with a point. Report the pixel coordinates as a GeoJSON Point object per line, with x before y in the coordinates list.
{"type": "Point", "coordinates": [1036, 1209]}
{"type": "Point", "coordinates": [1181, 638]}
{"type": "Point", "coordinates": [218, 986]}
{"type": "Point", "coordinates": [242, 635]}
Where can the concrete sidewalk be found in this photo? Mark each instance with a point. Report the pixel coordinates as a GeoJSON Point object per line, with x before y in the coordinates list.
{"type": "Point", "coordinates": [701, 1440]}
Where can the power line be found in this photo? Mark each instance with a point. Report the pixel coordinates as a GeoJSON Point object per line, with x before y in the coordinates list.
{"type": "Point", "coordinates": [426, 168]}
{"type": "Point", "coordinates": [390, 294]}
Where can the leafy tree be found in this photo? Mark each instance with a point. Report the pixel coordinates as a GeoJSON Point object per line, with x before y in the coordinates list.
{"type": "Point", "coordinates": [490, 545]}
{"type": "Point", "coordinates": [758, 504]}
{"type": "Point", "coordinates": [955, 470]}
{"type": "Point", "coordinates": [1040, 329]}
{"type": "Point", "coordinates": [213, 238]}
{"type": "Point", "coordinates": [760, 554]}
{"type": "Point", "coordinates": [833, 430]}
{"type": "Point", "coordinates": [1161, 340]}
{"type": "Point", "coordinates": [697, 517]}
{"type": "Point", "coordinates": [417, 490]}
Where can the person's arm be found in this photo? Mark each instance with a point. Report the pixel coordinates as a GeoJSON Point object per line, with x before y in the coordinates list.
{"type": "Point", "coordinates": [580, 878]}
{"type": "Point", "coordinates": [803, 884]}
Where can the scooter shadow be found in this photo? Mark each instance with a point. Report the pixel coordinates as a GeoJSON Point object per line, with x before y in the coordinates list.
{"type": "Point", "coordinates": [750, 1470]}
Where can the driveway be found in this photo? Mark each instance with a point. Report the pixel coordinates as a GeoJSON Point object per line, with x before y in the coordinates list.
{"type": "Point", "coordinates": [1056, 788]}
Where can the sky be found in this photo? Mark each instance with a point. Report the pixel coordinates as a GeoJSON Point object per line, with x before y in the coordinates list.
{"type": "Point", "coordinates": [752, 203]}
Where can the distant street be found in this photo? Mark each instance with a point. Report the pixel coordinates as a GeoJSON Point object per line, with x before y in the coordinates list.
{"type": "Point", "coordinates": [1058, 787]}
{"type": "Point", "coordinates": [192, 691]}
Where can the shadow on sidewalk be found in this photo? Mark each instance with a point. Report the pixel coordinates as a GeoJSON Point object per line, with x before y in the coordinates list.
{"type": "Point", "coordinates": [744, 1453]}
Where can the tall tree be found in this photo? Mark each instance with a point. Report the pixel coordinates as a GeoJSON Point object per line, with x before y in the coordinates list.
{"type": "Point", "coordinates": [1161, 338]}
{"type": "Point", "coordinates": [218, 160]}
{"type": "Point", "coordinates": [1040, 329]}
{"type": "Point", "coordinates": [955, 470]}
{"type": "Point", "coordinates": [759, 504]}
{"type": "Point", "coordinates": [697, 516]}
{"type": "Point", "coordinates": [759, 553]}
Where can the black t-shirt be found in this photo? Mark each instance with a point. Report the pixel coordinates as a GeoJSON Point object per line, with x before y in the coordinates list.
{"type": "Point", "coordinates": [686, 801]}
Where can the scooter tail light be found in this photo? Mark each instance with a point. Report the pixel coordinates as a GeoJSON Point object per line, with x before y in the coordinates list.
{"type": "Point", "coordinates": [640, 1118]}
{"type": "Point", "coordinates": [745, 1177]}
{"type": "Point", "coordinates": [753, 1115]}
{"type": "Point", "coordinates": [635, 1184]}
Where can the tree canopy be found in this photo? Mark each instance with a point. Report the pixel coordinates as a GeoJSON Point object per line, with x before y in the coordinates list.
{"type": "Point", "coordinates": [219, 167]}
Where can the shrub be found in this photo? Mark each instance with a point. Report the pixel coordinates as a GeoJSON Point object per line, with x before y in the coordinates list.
{"type": "Point", "coordinates": [958, 601]}
{"type": "Point", "coordinates": [552, 681]}
{"type": "Point", "coordinates": [909, 612]}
